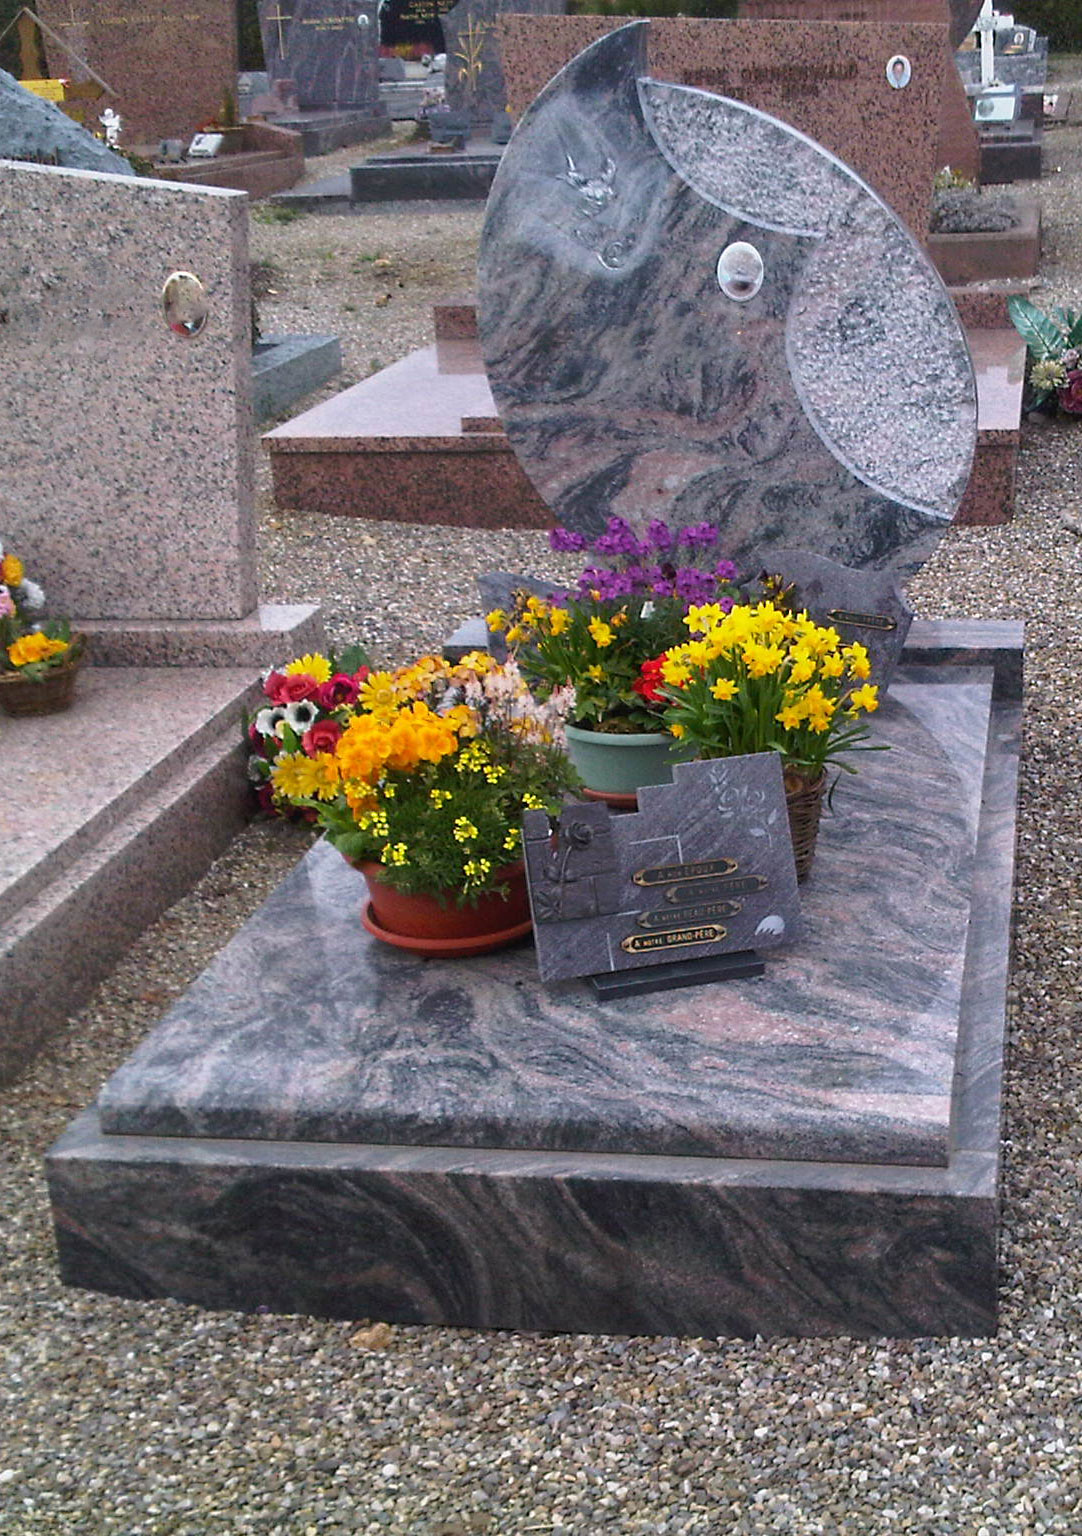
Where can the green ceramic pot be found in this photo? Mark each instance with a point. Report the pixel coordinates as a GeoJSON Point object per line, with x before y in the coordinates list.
{"type": "Point", "coordinates": [613, 764]}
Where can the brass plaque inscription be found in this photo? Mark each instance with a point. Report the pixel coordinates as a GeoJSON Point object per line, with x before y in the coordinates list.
{"type": "Point", "coordinates": [704, 870]}
{"type": "Point", "coordinates": [672, 938]}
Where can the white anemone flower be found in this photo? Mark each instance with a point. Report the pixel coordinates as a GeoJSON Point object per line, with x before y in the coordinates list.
{"type": "Point", "coordinates": [268, 720]}
{"type": "Point", "coordinates": [30, 596]}
{"type": "Point", "coordinates": [302, 715]}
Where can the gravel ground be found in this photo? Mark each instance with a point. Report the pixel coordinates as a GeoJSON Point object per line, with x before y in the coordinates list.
{"type": "Point", "coordinates": [154, 1419]}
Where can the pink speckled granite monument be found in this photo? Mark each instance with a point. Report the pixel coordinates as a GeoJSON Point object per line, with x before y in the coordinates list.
{"type": "Point", "coordinates": [170, 62]}
{"type": "Point", "coordinates": [127, 487]}
{"type": "Point", "coordinates": [129, 447]}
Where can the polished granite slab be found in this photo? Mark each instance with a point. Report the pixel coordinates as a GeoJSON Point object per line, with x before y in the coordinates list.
{"type": "Point", "coordinates": [306, 1029]}
{"type": "Point", "coordinates": [601, 1242]}
{"type": "Point", "coordinates": [635, 377]}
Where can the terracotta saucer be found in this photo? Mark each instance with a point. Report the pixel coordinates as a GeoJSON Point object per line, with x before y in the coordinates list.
{"type": "Point", "coordinates": [477, 944]}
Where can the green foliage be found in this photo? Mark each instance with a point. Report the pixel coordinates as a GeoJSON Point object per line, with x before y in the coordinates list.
{"type": "Point", "coordinates": [275, 213]}
{"type": "Point", "coordinates": [1058, 20]}
{"type": "Point", "coordinates": [1044, 335]}
{"type": "Point", "coordinates": [249, 38]}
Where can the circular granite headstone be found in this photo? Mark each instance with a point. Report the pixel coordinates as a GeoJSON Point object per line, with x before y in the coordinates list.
{"type": "Point", "coordinates": [690, 310]}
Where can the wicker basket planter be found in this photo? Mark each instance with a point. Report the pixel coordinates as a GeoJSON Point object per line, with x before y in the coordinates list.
{"type": "Point", "coordinates": [804, 802]}
{"type": "Point", "coordinates": [46, 695]}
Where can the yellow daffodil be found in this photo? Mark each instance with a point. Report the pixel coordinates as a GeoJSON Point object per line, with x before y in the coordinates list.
{"type": "Point", "coordinates": [601, 633]}
{"type": "Point", "coordinates": [496, 619]}
{"type": "Point", "coordinates": [724, 689]}
{"type": "Point", "coordinates": [559, 619]}
{"type": "Point", "coordinates": [866, 698]}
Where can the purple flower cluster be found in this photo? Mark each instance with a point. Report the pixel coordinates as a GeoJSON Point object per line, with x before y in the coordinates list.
{"type": "Point", "coordinates": [638, 572]}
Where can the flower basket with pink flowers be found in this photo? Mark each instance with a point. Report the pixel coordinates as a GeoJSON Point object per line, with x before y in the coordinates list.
{"type": "Point", "coordinates": [1054, 348]}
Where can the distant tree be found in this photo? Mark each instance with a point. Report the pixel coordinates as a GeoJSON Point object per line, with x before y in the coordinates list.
{"type": "Point", "coordinates": [249, 38]}
{"type": "Point", "coordinates": [1058, 20]}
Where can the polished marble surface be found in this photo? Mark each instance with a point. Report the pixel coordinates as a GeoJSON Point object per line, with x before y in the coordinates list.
{"type": "Point", "coordinates": [606, 221]}
{"type": "Point", "coordinates": [306, 1029]}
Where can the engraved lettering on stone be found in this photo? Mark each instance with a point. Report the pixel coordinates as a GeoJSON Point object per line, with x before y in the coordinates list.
{"type": "Point", "coordinates": [740, 885]}
{"type": "Point", "coordinates": [696, 913]}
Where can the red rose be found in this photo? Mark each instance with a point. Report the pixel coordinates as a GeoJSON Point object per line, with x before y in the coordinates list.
{"type": "Point", "coordinates": [336, 691]}
{"type": "Point", "coordinates": [299, 685]}
{"type": "Point", "coordinates": [1070, 396]}
{"type": "Point", "coordinates": [272, 687]}
{"type": "Point", "coordinates": [321, 737]}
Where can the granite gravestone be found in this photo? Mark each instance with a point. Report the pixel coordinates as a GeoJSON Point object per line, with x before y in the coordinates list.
{"type": "Point", "coordinates": [688, 310]}
{"type": "Point", "coordinates": [703, 868]}
{"type": "Point", "coordinates": [170, 62]}
{"type": "Point", "coordinates": [36, 130]}
{"type": "Point", "coordinates": [328, 48]}
{"type": "Point", "coordinates": [473, 74]}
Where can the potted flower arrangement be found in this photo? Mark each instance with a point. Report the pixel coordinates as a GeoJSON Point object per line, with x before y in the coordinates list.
{"type": "Point", "coordinates": [628, 605]}
{"type": "Point", "coordinates": [423, 791]}
{"type": "Point", "coordinates": [309, 698]}
{"type": "Point", "coordinates": [1054, 348]}
{"type": "Point", "coordinates": [761, 679]}
{"type": "Point", "coordinates": [39, 659]}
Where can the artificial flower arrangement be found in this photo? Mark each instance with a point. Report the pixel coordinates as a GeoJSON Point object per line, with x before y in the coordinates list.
{"type": "Point", "coordinates": [758, 678]}
{"type": "Point", "coordinates": [1054, 347]}
{"type": "Point", "coordinates": [429, 773]}
{"type": "Point", "coordinates": [308, 697]}
{"type": "Point", "coordinates": [621, 613]}
{"type": "Point", "coordinates": [30, 647]}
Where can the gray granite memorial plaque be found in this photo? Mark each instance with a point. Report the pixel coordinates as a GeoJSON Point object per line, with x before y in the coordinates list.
{"type": "Point", "coordinates": [703, 868]}
{"type": "Point", "coordinates": [690, 310]}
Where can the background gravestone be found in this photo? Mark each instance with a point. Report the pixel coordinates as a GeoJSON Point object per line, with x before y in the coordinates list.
{"type": "Point", "coordinates": [473, 75]}
{"type": "Point", "coordinates": [957, 144]}
{"type": "Point", "coordinates": [633, 378]}
{"type": "Point", "coordinates": [32, 129]}
{"type": "Point", "coordinates": [170, 62]}
{"type": "Point", "coordinates": [329, 48]}
{"type": "Point", "coordinates": [828, 79]}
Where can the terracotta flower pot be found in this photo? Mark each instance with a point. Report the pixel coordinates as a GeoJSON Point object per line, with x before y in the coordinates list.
{"type": "Point", "coordinates": [422, 925]}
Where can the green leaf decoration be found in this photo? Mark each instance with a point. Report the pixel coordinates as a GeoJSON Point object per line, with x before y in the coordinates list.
{"type": "Point", "coordinates": [1039, 331]}
{"type": "Point", "coordinates": [352, 659]}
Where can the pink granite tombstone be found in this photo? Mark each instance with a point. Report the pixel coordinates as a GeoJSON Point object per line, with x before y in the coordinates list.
{"type": "Point", "coordinates": [170, 62]}
{"type": "Point", "coordinates": [828, 79]}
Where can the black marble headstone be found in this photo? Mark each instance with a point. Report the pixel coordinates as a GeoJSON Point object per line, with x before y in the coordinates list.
{"type": "Point", "coordinates": [473, 74]}
{"type": "Point", "coordinates": [864, 606]}
{"type": "Point", "coordinates": [330, 48]}
{"type": "Point", "coordinates": [703, 868]}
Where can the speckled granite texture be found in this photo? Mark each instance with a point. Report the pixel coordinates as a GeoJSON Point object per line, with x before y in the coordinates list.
{"type": "Point", "coordinates": [606, 221]}
{"type": "Point", "coordinates": [88, 860]}
{"type": "Point", "coordinates": [603, 1241]}
{"type": "Point", "coordinates": [826, 79]}
{"type": "Point", "coordinates": [957, 144]}
{"type": "Point", "coordinates": [170, 62]}
{"type": "Point", "coordinates": [986, 257]}
{"type": "Point", "coordinates": [128, 457]}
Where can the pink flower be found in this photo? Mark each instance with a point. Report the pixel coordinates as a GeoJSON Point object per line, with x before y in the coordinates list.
{"type": "Point", "coordinates": [299, 685]}
{"type": "Point", "coordinates": [7, 603]}
{"type": "Point", "coordinates": [1070, 396]}
{"type": "Point", "coordinates": [321, 737]}
{"type": "Point", "coordinates": [336, 691]}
